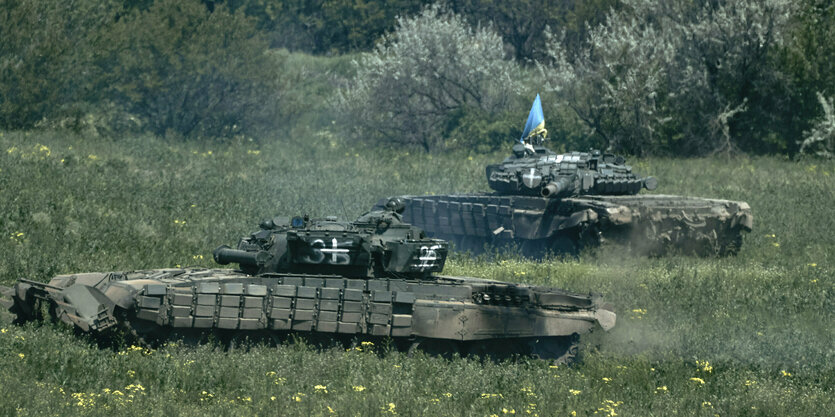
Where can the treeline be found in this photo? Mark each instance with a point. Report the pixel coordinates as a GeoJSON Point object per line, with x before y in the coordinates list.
{"type": "Point", "coordinates": [679, 77]}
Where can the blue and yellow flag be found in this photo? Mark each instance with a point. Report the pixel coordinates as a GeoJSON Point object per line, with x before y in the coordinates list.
{"type": "Point", "coordinates": [536, 121]}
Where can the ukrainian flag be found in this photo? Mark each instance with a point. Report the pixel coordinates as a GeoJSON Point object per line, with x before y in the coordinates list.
{"type": "Point", "coordinates": [536, 121]}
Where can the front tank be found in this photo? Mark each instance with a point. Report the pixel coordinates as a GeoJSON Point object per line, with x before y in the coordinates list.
{"type": "Point", "coordinates": [295, 278]}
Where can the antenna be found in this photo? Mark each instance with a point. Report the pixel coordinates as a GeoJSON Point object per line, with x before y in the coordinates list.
{"type": "Point", "coordinates": [344, 212]}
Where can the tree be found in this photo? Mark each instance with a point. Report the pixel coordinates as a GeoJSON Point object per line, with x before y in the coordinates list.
{"type": "Point", "coordinates": [182, 68]}
{"type": "Point", "coordinates": [678, 76]}
{"type": "Point", "coordinates": [47, 58]}
{"type": "Point", "coordinates": [820, 140]}
{"type": "Point", "coordinates": [523, 23]}
{"type": "Point", "coordinates": [422, 78]}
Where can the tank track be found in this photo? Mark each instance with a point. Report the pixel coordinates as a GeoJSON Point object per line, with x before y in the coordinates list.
{"type": "Point", "coordinates": [446, 316]}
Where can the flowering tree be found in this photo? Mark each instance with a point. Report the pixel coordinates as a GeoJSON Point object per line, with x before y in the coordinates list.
{"type": "Point", "coordinates": [676, 75]}
{"type": "Point", "coordinates": [422, 75]}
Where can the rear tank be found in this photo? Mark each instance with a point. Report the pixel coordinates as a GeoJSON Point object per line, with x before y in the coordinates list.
{"type": "Point", "coordinates": [546, 202]}
{"type": "Point", "coordinates": [371, 279]}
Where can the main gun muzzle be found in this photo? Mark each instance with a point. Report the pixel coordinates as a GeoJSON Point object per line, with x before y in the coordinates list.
{"type": "Point", "coordinates": [554, 188]}
{"type": "Point", "coordinates": [225, 255]}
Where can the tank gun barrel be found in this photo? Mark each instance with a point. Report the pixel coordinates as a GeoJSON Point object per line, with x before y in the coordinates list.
{"type": "Point", "coordinates": [226, 255]}
{"type": "Point", "coordinates": [555, 188]}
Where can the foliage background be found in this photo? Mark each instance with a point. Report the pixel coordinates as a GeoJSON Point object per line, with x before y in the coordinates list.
{"type": "Point", "coordinates": [144, 134]}
{"type": "Point", "coordinates": [686, 78]}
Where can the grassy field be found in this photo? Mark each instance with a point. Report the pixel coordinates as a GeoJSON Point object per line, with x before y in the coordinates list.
{"type": "Point", "coordinates": [750, 335]}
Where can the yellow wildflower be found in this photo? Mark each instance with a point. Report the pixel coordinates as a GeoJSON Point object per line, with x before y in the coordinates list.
{"type": "Point", "coordinates": [358, 388]}
{"type": "Point", "coordinates": [321, 388]}
{"type": "Point", "coordinates": [749, 383]}
{"type": "Point", "coordinates": [606, 380]}
{"type": "Point", "coordinates": [785, 373]}
{"type": "Point", "coordinates": [575, 391]}
{"type": "Point", "coordinates": [131, 373]}
{"type": "Point", "coordinates": [662, 388]}
{"type": "Point", "coordinates": [21, 355]}
{"type": "Point", "coordinates": [135, 387]}
{"type": "Point", "coordinates": [706, 404]}
{"type": "Point", "coordinates": [448, 394]}
{"type": "Point", "coordinates": [704, 366]}
{"type": "Point", "coordinates": [699, 380]}
{"type": "Point", "coordinates": [272, 398]}
{"type": "Point", "coordinates": [3, 331]}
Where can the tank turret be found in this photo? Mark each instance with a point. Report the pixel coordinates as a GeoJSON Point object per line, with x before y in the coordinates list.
{"type": "Point", "coordinates": [376, 245]}
{"type": "Point", "coordinates": [547, 174]}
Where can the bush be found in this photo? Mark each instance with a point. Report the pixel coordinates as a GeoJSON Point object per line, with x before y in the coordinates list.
{"type": "Point", "coordinates": [168, 67]}
{"type": "Point", "coordinates": [523, 23]}
{"type": "Point", "coordinates": [680, 77]}
{"type": "Point", "coordinates": [424, 78]}
{"type": "Point", "coordinates": [820, 140]}
{"type": "Point", "coordinates": [185, 70]}
{"type": "Point", "coordinates": [47, 57]}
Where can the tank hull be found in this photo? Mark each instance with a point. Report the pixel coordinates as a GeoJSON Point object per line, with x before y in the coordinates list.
{"type": "Point", "coordinates": [445, 315]}
{"type": "Point", "coordinates": [652, 224]}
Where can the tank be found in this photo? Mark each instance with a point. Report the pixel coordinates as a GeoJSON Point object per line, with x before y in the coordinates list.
{"type": "Point", "coordinates": [561, 203]}
{"type": "Point", "coordinates": [372, 279]}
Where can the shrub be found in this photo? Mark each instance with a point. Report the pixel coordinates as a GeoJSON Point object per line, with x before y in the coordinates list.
{"type": "Point", "coordinates": [424, 77]}
{"type": "Point", "coordinates": [186, 70]}
{"type": "Point", "coordinates": [681, 76]}
{"type": "Point", "coordinates": [820, 140]}
{"type": "Point", "coordinates": [47, 56]}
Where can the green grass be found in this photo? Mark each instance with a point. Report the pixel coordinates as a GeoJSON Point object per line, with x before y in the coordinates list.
{"type": "Point", "coordinates": [762, 320]}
